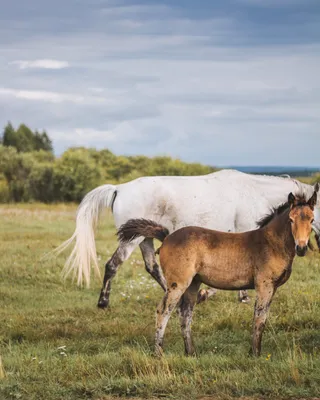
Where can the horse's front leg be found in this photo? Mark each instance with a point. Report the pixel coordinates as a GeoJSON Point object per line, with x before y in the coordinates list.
{"type": "Point", "coordinates": [204, 294]}
{"type": "Point", "coordinates": [316, 230]}
{"type": "Point", "coordinates": [317, 240]}
{"type": "Point", "coordinates": [264, 297]}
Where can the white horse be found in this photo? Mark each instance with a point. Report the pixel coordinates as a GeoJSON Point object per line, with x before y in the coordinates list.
{"type": "Point", "coordinates": [228, 200]}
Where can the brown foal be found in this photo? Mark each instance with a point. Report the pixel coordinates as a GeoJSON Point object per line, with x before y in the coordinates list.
{"type": "Point", "coordinates": [260, 259]}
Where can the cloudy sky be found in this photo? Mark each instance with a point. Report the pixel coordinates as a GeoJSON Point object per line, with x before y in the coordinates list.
{"type": "Point", "coordinates": [224, 82]}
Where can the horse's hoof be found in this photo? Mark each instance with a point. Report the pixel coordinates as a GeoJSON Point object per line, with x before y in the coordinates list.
{"type": "Point", "coordinates": [202, 296]}
{"type": "Point", "coordinates": [103, 303]}
{"type": "Point", "coordinates": [244, 299]}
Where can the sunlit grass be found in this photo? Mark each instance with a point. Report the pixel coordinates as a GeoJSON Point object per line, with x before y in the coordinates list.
{"type": "Point", "coordinates": [55, 343]}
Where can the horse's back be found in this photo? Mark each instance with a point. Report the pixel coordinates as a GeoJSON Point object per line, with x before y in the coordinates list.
{"type": "Point", "coordinates": [175, 201]}
{"type": "Point", "coordinates": [226, 200]}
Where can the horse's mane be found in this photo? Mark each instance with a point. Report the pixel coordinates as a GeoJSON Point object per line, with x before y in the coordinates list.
{"type": "Point", "coordinates": [301, 200]}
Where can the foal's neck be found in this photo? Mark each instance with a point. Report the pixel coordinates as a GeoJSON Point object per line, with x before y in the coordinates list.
{"type": "Point", "coordinates": [280, 234]}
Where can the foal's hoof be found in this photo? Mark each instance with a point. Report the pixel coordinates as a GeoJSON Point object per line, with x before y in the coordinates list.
{"type": "Point", "coordinates": [158, 351]}
{"type": "Point", "coordinates": [103, 303]}
{"type": "Point", "coordinates": [252, 353]}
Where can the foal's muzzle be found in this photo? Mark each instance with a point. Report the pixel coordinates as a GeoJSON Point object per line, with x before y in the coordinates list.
{"type": "Point", "coordinates": [301, 250]}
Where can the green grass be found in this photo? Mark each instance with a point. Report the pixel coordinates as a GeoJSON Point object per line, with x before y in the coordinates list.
{"type": "Point", "coordinates": [55, 343]}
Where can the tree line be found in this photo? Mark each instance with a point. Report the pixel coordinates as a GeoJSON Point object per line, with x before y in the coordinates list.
{"type": "Point", "coordinates": [29, 170]}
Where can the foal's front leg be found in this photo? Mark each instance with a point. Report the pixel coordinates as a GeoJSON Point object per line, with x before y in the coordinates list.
{"type": "Point", "coordinates": [264, 297]}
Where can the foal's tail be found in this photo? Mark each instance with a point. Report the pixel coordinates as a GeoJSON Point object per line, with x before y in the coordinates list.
{"type": "Point", "coordinates": [135, 228]}
{"type": "Point", "coordinates": [84, 251]}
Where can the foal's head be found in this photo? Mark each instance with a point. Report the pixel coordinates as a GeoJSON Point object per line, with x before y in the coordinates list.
{"type": "Point", "coordinates": [301, 218]}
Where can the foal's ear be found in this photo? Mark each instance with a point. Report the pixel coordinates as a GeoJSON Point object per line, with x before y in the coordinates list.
{"type": "Point", "coordinates": [313, 200]}
{"type": "Point", "coordinates": [316, 187]}
{"type": "Point", "coordinates": [291, 199]}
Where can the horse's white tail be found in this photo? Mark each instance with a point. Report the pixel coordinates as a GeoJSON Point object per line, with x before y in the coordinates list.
{"type": "Point", "coordinates": [84, 252]}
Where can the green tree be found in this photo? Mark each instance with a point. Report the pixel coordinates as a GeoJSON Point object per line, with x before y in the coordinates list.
{"type": "Point", "coordinates": [16, 168]}
{"type": "Point", "coordinates": [141, 164]}
{"type": "Point", "coordinates": [9, 137]}
{"type": "Point", "coordinates": [30, 171]}
{"type": "Point", "coordinates": [42, 142]}
{"type": "Point", "coordinates": [120, 168]}
{"type": "Point", "coordinates": [24, 140]}
{"type": "Point", "coordinates": [41, 183]}
{"type": "Point", "coordinates": [25, 137]}
{"type": "Point", "coordinates": [75, 174]}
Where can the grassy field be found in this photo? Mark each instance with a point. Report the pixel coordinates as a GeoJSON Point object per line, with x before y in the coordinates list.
{"type": "Point", "coordinates": [55, 343]}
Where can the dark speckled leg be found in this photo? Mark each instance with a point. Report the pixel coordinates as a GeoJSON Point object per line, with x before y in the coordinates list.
{"type": "Point", "coordinates": [148, 254]}
{"type": "Point", "coordinates": [119, 256]}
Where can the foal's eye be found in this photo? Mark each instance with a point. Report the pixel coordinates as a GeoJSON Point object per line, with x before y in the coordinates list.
{"type": "Point", "coordinates": [291, 220]}
{"type": "Point", "coordinates": [312, 221]}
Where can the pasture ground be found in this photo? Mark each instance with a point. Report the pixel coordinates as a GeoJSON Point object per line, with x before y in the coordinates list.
{"type": "Point", "coordinates": [55, 343]}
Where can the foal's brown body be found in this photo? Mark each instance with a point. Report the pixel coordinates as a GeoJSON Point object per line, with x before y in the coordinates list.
{"type": "Point", "coordinates": [231, 261]}
{"type": "Point", "coordinates": [202, 252]}
{"type": "Point", "coordinates": [260, 259]}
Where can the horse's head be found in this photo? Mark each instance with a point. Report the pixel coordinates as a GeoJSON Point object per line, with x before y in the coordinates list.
{"type": "Point", "coordinates": [301, 218]}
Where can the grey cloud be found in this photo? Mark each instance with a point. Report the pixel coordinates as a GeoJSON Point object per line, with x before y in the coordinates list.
{"type": "Point", "coordinates": [219, 88]}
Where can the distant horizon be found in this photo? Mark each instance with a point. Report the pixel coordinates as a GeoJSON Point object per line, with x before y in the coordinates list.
{"type": "Point", "coordinates": [275, 170]}
{"type": "Point", "coordinates": [269, 166]}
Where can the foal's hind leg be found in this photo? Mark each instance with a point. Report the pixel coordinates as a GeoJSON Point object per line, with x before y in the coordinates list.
{"type": "Point", "coordinates": [265, 293]}
{"type": "Point", "coordinates": [148, 254]}
{"type": "Point", "coordinates": [164, 310]}
{"type": "Point", "coordinates": [186, 306]}
{"type": "Point", "coordinates": [119, 256]}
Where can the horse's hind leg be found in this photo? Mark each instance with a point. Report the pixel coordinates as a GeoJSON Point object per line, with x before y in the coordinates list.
{"type": "Point", "coordinates": [119, 256]}
{"type": "Point", "coordinates": [148, 254]}
{"type": "Point", "coordinates": [152, 267]}
{"type": "Point", "coordinates": [186, 305]}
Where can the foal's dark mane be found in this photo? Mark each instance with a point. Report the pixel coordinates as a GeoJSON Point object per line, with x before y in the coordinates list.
{"type": "Point", "coordinates": [275, 211]}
